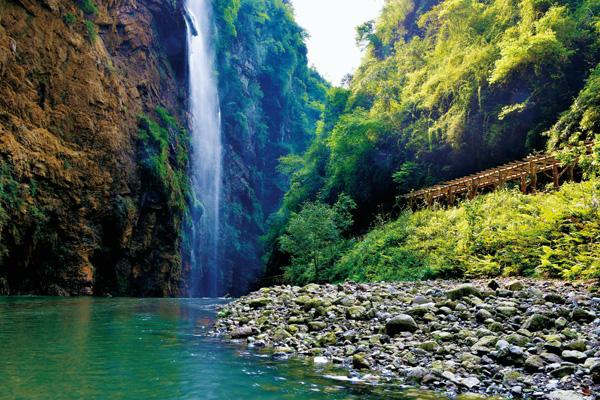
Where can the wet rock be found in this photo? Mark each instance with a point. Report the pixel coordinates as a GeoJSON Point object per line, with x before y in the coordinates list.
{"type": "Point", "coordinates": [241, 333]}
{"type": "Point", "coordinates": [258, 303]}
{"type": "Point", "coordinates": [359, 361]}
{"type": "Point", "coordinates": [493, 284]}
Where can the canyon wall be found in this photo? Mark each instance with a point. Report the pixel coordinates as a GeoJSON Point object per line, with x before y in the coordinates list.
{"type": "Point", "coordinates": [78, 215]}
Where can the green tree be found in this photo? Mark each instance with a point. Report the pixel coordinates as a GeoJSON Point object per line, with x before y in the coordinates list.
{"type": "Point", "coordinates": [315, 239]}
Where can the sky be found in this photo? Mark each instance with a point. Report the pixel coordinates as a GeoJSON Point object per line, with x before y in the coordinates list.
{"type": "Point", "coordinates": [331, 25]}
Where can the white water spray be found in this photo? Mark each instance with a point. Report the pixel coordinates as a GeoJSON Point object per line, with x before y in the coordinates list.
{"type": "Point", "coordinates": [206, 155]}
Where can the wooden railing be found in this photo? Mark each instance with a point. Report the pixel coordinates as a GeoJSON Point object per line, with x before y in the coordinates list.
{"type": "Point", "coordinates": [525, 171]}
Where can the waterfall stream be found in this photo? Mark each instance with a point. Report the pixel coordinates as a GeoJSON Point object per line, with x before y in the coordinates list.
{"type": "Point", "coordinates": [206, 155]}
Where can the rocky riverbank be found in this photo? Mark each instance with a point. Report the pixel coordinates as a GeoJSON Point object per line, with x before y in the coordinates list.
{"type": "Point", "coordinates": [523, 338]}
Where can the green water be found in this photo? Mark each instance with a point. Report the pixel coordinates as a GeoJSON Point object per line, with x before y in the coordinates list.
{"type": "Point", "coordinates": [86, 348]}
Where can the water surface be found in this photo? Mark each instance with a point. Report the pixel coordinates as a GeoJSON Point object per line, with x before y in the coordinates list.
{"type": "Point", "coordinates": [89, 348]}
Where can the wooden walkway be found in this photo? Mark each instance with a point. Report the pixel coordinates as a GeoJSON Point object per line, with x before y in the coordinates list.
{"type": "Point", "coordinates": [525, 172]}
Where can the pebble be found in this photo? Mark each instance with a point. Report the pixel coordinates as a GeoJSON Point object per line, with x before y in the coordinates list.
{"type": "Point", "coordinates": [519, 338]}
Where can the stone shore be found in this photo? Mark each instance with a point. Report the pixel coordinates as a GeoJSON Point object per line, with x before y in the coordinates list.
{"type": "Point", "coordinates": [521, 338]}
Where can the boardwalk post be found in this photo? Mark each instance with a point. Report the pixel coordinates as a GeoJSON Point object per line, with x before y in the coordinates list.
{"type": "Point", "coordinates": [524, 184]}
{"type": "Point", "coordinates": [450, 197]}
{"type": "Point", "coordinates": [570, 172]}
{"type": "Point", "coordinates": [555, 176]}
{"type": "Point", "coordinates": [472, 191]}
{"type": "Point", "coordinates": [533, 175]}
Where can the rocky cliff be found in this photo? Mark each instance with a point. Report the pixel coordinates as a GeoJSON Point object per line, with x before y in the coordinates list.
{"type": "Point", "coordinates": [77, 213]}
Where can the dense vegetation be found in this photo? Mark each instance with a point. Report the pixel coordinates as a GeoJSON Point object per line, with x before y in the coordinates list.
{"type": "Point", "coordinates": [270, 103]}
{"type": "Point", "coordinates": [446, 88]}
{"type": "Point", "coordinates": [503, 233]}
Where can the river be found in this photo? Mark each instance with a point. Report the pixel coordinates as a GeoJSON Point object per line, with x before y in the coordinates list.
{"type": "Point", "coordinates": [97, 348]}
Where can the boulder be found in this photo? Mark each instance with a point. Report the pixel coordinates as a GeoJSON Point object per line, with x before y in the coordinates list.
{"type": "Point", "coordinates": [400, 323]}
{"type": "Point", "coordinates": [515, 285]}
{"type": "Point", "coordinates": [241, 333]}
{"type": "Point", "coordinates": [537, 322]}
{"type": "Point", "coordinates": [463, 291]}
{"type": "Point", "coordinates": [581, 315]}
{"type": "Point", "coordinates": [259, 302]}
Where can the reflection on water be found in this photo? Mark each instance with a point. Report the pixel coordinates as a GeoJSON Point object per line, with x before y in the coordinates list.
{"type": "Point", "coordinates": [61, 348]}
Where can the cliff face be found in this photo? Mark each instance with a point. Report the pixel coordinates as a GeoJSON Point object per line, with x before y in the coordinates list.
{"type": "Point", "coordinates": [75, 215]}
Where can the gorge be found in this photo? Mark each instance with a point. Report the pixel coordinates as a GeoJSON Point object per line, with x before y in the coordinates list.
{"type": "Point", "coordinates": [188, 209]}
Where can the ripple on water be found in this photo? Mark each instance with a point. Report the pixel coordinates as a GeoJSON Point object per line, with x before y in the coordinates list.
{"type": "Point", "coordinates": [57, 348]}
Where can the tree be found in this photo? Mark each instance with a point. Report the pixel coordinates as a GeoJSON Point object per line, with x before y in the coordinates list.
{"type": "Point", "coordinates": [314, 239]}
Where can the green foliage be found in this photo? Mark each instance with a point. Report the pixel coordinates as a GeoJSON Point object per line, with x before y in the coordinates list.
{"type": "Point", "coordinates": [162, 154]}
{"type": "Point", "coordinates": [578, 125]}
{"type": "Point", "coordinates": [504, 233]}
{"type": "Point", "coordinates": [314, 239]}
{"type": "Point", "coordinates": [92, 31]}
{"type": "Point", "coordinates": [88, 6]}
{"type": "Point", "coordinates": [69, 18]}
{"type": "Point", "coordinates": [447, 88]}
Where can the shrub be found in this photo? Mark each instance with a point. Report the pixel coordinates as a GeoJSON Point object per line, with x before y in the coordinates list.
{"type": "Point", "coordinates": [92, 31]}
{"type": "Point", "coordinates": [69, 19]}
{"type": "Point", "coordinates": [88, 6]}
{"type": "Point", "coordinates": [553, 234]}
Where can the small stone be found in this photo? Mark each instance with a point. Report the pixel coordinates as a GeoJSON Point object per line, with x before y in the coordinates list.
{"type": "Point", "coordinates": [507, 311]}
{"type": "Point", "coordinates": [482, 315]}
{"type": "Point", "coordinates": [258, 303]}
{"type": "Point", "coordinates": [578, 345]}
{"type": "Point", "coordinates": [554, 298]}
{"type": "Point", "coordinates": [463, 291]}
{"type": "Point", "coordinates": [321, 360]}
{"type": "Point", "coordinates": [537, 322]}
{"type": "Point", "coordinates": [574, 356]}
{"type": "Point", "coordinates": [564, 395]}
{"type": "Point", "coordinates": [493, 284]}
{"type": "Point", "coordinates": [580, 315]}
{"type": "Point", "coordinates": [563, 370]}
{"type": "Point", "coordinates": [470, 382]}
{"type": "Point", "coordinates": [400, 323]}
{"type": "Point", "coordinates": [560, 322]}
{"type": "Point", "coordinates": [515, 286]}
{"type": "Point", "coordinates": [430, 346]}
{"type": "Point", "coordinates": [416, 374]}
{"type": "Point", "coordinates": [418, 300]}
{"type": "Point", "coordinates": [317, 325]}
{"type": "Point", "coordinates": [241, 333]}
{"type": "Point", "coordinates": [360, 362]}
{"type": "Point", "coordinates": [534, 363]}
{"type": "Point", "coordinates": [356, 312]}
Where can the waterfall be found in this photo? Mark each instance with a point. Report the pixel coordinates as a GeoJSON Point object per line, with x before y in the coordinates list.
{"type": "Point", "coordinates": [206, 155]}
